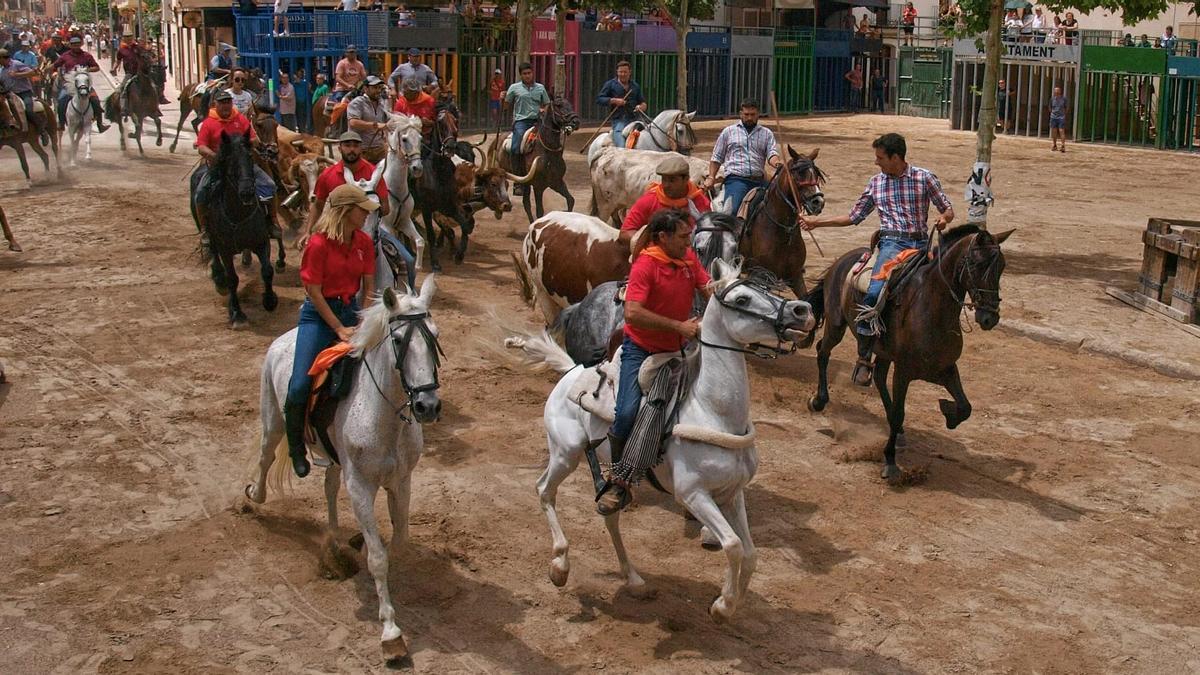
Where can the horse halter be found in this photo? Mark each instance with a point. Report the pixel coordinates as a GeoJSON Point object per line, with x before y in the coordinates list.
{"type": "Point", "coordinates": [410, 324]}
{"type": "Point", "coordinates": [986, 299]}
{"type": "Point", "coordinates": [777, 319]}
{"type": "Point", "coordinates": [673, 142]}
{"type": "Point", "coordinates": [557, 122]}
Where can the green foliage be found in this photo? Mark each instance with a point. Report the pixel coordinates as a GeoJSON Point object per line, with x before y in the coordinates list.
{"type": "Point", "coordinates": [975, 12]}
{"type": "Point", "coordinates": [89, 11]}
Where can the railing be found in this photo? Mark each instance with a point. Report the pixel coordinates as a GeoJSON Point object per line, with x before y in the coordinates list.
{"type": "Point", "coordinates": [1116, 38]}
{"type": "Point", "coordinates": [495, 39]}
{"type": "Point", "coordinates": [316, 32]}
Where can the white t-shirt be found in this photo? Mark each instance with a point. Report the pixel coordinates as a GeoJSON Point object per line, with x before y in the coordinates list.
{"type": "Point", "coordinates": [349, 5]}
{"type": "Point", "coordinates": [242, 101]}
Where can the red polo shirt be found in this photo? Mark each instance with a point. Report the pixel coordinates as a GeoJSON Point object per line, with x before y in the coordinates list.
{"type": "Point", "coordinates": [424, 107]}
{"type": "Point", "coordinates": [336, 175]}
{"type": "Point", "coordinates": [650, 202]}
{"type": "Point", "coordinates": [68, 60]}
{"type": "Point", "coordinates": [665, 288]}
{"type": "Point", "coordinates": [212, 126]}
{"type": "Point", "coordinates": [337, 268]}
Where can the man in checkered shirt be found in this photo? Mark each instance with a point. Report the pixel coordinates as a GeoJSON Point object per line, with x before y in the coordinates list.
{"type": "Point", "coordinates": [902, 193]}
{"type": "Point", "coordinates": [743, 148]}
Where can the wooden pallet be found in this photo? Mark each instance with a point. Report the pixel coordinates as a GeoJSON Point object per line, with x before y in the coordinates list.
{"type": "Point", "coordinates": [1172, 250]}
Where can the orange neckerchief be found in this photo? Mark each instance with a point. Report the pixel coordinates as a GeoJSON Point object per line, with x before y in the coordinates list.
{"type": "Point", "coordinates": [655, 251]}
{"type": "Point", "coordinates": [668, 202]}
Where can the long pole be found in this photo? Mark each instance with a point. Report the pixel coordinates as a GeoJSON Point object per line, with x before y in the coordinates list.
{"type": "Point", "coordinates": [787, 173]}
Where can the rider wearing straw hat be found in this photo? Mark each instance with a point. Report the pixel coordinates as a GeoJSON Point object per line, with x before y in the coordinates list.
{"type": "Point", "coordinates": [338, 262]}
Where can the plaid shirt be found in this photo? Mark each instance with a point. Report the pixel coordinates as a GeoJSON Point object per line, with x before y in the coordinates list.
{"type": "Point", "coordinates": [903, 202]}
{"type": "Point", "coordinates": [742, 153]}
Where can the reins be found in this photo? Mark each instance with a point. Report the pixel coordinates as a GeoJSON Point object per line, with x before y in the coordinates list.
{"type": "Point", "coordinates": [399, 350]}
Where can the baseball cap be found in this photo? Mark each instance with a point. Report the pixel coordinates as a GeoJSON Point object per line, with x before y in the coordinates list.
{"type": "Point", "coordinates": [497, 72]}
{"type": "Point", "coordinates": [413, 51]}
{"type": "Point", "coordinates": [349, 137]}
{"type": "Point", "coordinates": [75, 40]}
{"type": "Point", "coordinates": [352, 48]}
{"type": "Point", "coordinates": [347, 194]}
{"type": "Point", "coordinates": [372, 81]}
{"type": "Point", "coordinates": [223, 95]}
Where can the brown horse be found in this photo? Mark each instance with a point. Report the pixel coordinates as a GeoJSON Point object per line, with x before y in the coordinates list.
{"type": "Point", "coordinates": [554, 126]}
{"type": "Point", "coordinates": [771, 238]}
{"type": "Point", "coordinates": [17, 140]}
{"type": "Point", "coordinates": [140, 100]}
{"type": "Point", "coordinates": [921, 333]}
{"type": "Point", "coordinates": [320, 120]}
{"type": "Point", "coordinates": [192, 103]}
{"type": "Point", "coordinates": [8, 235]}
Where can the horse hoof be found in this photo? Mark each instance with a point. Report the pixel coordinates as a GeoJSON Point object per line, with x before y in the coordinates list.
{"type": "Point", "coordinates": [708, 540]}
{"type": "Point", "coordinates": [394, 649]}
{"type": "Point", "coordinates": [891, 473]}
{"type": "Point", "coordinates": [816, 403]}
{"type": "Point", "coordinates": [559, 572]}
{"type": "Point", "coordinates": [251, 494]}
{"type": "Point", "coordinates": [640, 591]}
{"type": "Point", "coordinates": [270, 302]}
{"type": "Point", "coordinates": [238, 321]}
{"type": "Point", "coordinates": [158, 142]}
{"type": "Point", "coordinates": [280, 265]}
{"type": "Point", "coordinates": [720, 610]}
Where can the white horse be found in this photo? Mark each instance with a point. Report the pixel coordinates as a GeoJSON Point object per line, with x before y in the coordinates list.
{"type": "Point", "coordinates": [669, 131]}
{"type": "Point", "coordinates": [79, 114]}
{"type": "Point", "coordinates": [403, 158]}
{"type": "Point", "coordinates": [710, 456]}
{"type": "Point", "coordinates": [376, 430]}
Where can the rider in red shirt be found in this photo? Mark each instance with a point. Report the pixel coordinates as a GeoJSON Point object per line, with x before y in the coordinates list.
{"type": "Point", "coordinates": [350, 148]}
{"type": "Point", "coordinates": [674, 192]}
{"type": "Point", "coordinates": [223, 118]}
{"type": "Point", "coordinates": [658, 306]}
{"type": "Point", "coordinates": [66, 63]}
{"type": "Point", "coordinates": [413, 101]}
{"type": "Point", "coordinates": [338, 261]}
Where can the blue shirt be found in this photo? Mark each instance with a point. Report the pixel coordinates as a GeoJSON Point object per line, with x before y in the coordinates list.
{"type": "Point", "coordinates": [17, 85]}
{"type": "Point", "coordinates": [29, 58]}
{"type": "Point", "coordinates": [614, 89]}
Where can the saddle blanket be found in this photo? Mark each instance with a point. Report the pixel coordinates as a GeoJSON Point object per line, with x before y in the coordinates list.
{"type": "Point", "coordinates": [321, 391]}
{"type": "Point", "coordinates": [860, 280]}
{"type": "Point", "coordinates": [750, 203]}
{"type": "Point", "coordinates": [632, 134]}
{"type": "Point", "coordinates": [527, 141]}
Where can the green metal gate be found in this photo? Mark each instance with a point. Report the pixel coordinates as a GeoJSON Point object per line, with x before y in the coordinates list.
{"type": "Point", "coordinates": [794, 71]}
{"type": "Point", "coordinates": [655, 72]}
{"type": "Point", "coordinates": [1119, 95]}
{"type": "Point", "coordinates": [925, 74]}
{"type": "Point", "coordinates": [1179, 125]}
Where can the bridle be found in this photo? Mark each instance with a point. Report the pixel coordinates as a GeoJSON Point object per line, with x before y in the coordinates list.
{"type": "Point", "coordinates": [410, 324]}
{"type": "Point", "coordinates": [790, 194]}
{"type": "Point", "coordinates": [975, 296]}
{"type": "Point", "coordinates": [673, 144]}
{"type": "Point", "coordinates": [556, 122]}
{"type": "Point", "coordinates": [718, 233]}
{"type": "Point", "coordinates": [777, 320]}
{"type": "Point", "coordinates": [410, 157]}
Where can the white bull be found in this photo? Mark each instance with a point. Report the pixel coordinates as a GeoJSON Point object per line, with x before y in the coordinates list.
{"type": "Point", "coordinates": [620, 176]}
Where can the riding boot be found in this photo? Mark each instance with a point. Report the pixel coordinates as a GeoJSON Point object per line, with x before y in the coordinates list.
{"type": "Point", "coordinates": [273, 228]}
{"type": "Point", "coordinates": [613, 497]}
{"type": "Point", "coordinates": [98, 114]}
{"type": "Point", "coordinates": [520, 189]}
{"type": "Point", "coordinates": [293, 419]}
{"type": "Point", "coordinates": [864, 366]}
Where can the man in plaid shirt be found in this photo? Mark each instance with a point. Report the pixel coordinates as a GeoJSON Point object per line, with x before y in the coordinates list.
{"type": "Point", "coordinates": [744, 149]}
{"type": "Point", "coordinates": [902, 193]}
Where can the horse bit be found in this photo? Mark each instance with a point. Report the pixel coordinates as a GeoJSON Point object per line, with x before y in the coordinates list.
{"type": "Point", "coordinates": [776, 319]}
{"type": "Point", "coordinates": [410, 323]}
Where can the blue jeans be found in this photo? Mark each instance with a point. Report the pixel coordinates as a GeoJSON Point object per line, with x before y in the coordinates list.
{"type": "Point", "coordinates": [64, 97]}
{"type": "Point", "coordinates": [889, 248]}
{"type": "Point", "coordinates": [313, 336]}
{"type": "Point", "coordinates": [629, 392]}
{"type": "Point", "coordinates": [618, 132]}
{"type": "Point", "coordinates": [736, 188]}
{"type": "Point", "coordinates": [337, 96]}
{"type": "Point", "coordinates": [410, 261]}
{"type": "Point", "coordinates": [518, 132]}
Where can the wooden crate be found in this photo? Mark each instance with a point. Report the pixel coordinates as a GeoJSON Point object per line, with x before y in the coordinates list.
{"type": "Point", "coordinates": [1172, 250]}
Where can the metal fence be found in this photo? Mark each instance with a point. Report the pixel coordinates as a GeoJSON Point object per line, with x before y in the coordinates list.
{"type": "Point", "coordinates": [793, 76]}
{"type": "Point", "coordinates": [751, 79]}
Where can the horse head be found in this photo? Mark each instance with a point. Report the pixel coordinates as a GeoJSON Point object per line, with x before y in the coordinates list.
{"type": "Point", "coordinates": [446, 128]}
{"type": "Point", "coordinates": [234, 167]}
{"type": "Point", "coordinates": [403, 320]}
{"type": "Point", "coordinates": [82, 82]}
{"type": "Point", "coordinates": [716, 236]}
{"type": "Point", "coordinates": [404, 140]}
{"type": "Point", "coordinates": [750, 313]}
{"type": "Point", "coordinates": [807, 179]}
{"type": "Point", "coordinates": [978, 270]}
{"type": "Point", "coordinates": [557, 122]}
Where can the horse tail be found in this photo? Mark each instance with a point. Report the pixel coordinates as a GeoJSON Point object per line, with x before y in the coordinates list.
{"type": "Point", "coordinates": [280, 475]}
{"type": "Point", "coordinates": [559, 326]}
{"type": "Point", "coordinates": [110, 108]}
{"type": "Point", "coordinates": [816, 299]}
{"type": "Point", "coordinates": [523, 278]}
{"type": "Point", "coordinates": [541, 352]}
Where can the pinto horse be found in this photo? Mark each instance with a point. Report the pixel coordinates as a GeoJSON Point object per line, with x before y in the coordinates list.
{"type": "Point", "coordinates": [921, 333]}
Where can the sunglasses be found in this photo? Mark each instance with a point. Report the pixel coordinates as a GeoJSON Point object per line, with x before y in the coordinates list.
{"type": "Point", "coordinates": [239, 79]}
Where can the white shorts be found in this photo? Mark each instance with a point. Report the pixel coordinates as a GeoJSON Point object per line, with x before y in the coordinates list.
{"type": "Point", "coordinates": [281, 6]}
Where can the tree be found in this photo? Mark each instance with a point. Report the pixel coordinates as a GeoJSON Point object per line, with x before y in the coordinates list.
{"type": "Point", "coordinates": [89, 11]}
{"type": "Point", "coordinates": [680, 13]}
{"type": "Point", "coordinates": [984, 17]}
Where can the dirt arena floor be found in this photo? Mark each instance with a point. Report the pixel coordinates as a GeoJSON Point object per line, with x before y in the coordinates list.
{"type": "Point", "coordinates": [1054, 532]}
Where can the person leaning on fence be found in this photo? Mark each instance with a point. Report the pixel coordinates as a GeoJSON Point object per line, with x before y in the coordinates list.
{"type": "Point", "coordinates": [908, 22]}
{"type": "Point", "coordinates": [744, 149]}
{"type": "Point", "coordinates": [624, 96]}
{"type": "Point", "coordinates": [1168, 40]}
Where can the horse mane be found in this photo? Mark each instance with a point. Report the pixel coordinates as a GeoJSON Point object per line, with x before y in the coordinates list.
{"type": "Point", "coordinates": [804, 164]}
{"type": "Point", "coordinates": [725, 221]}
{"type": "Point", "coordinates": [374, 324]}
{"type": "Point", "coordinates": [955, 234]}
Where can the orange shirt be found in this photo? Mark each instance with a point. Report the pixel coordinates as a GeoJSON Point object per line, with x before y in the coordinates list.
{"type": "Point", "coordinates": [424, 106]}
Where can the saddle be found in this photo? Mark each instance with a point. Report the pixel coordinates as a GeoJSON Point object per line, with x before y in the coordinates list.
{"type": "Point", "coordinates": [527, 140]}
{"type": "Point", "coordinates": [333, 376]}
{"type": "Point", "coordinates": [751, 203]}
{"type": "Point", "coordinates": [894, 272]}
{"type": "Point", "coordinates": [16, 111]}
{"type": "Point", "coordinates": [203, 87]}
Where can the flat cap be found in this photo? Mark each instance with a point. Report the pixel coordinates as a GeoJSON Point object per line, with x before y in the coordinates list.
{"type": "Point", "coordinates": [673, 165]}
{"type": "Point", "coordinates": [349, 137]}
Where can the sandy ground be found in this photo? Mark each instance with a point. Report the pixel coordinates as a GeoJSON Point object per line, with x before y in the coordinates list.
{"type": "Point", "coordinates": [1055, 531]}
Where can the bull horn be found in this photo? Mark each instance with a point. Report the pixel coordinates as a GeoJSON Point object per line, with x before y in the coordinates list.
{"type": "Point", "coordinates": [527, 178]}
{"type": "Point", "coordinates": [297, 143]}
{"type": "Point", "coordinates": [322, 159]}
{"type": "Point", "coordinates": [476, 145]}
{"type": "Point", "coordinates": [475, 149]}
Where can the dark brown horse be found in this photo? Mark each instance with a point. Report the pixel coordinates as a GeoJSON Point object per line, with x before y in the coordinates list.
{"type": "Point", "coordinates": [17, 140]}
{"type": "Point", "coordinates": [555, 125]}
{"type": "Point", "coordinates": [192, 103]}
{"type": "Point", "coordinates": [140, 100]}
{"type": "Point", "coordinates": [921, 333]}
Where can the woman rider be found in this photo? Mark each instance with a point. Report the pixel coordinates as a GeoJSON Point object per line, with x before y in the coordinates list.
{"type": "Point", "coordinates": [338, 261]}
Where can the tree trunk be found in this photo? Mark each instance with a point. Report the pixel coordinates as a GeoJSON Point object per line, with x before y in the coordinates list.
{"type": "Point", "coordinates": [979, 191]}
{"type": "Point", "coordinates": [681, 31]}
{"type": "Point", "coordinates": [524, 30]}
{"type": "Point", "coordinates": [560, 46]}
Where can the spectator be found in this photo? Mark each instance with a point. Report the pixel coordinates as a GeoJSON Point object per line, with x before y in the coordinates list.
{"type": "Point", "coordinates": [1055, 34]}
{"type": "Point", "coordinates": [878, 86]}
{"type": "Point", "coordinates": [348, 74]}
{"type": "Point", "coordinates": [321, 89]}
{"type": "Point", "coordinates": [864, 27]}
{"type": "Point", "coordinates": [496, 89]}
{"type": "Point", "coordinates": [1026, 26]}
{"type": "Point", "coordinates": [1012, 26]}
{"type": "Point", "coordinates": [1058, 119]}
{"type": "Point", "coordinates": [1169, 40]}
{"type": "Point", "coordinates": [303, 101]}
{"type": "Point", "coordinates": [855, 78]}
{"type": "Point", "coordinates": [280, 18]}
{"type": "Point", "coordinates": [349, 5]}
{"type": "Point", "coordinates": [1144, 41]}
{"type": "Point", "coordinates": [908, 21]}
{"type": "Point", "coordinates": [1039, 26]}
{"type": "Point", "coordinates": [1127, 41]}
{"type": "Point", "coordinates": [287, 102]}
{"type": "Point", "coordinates": [1002, 121]}
{"type": "Point", "coordinates": [1071, 29]}
{"type": "Point", "coordinates": [404, 18]}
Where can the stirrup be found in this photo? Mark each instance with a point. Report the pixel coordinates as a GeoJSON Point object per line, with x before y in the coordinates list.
{"type": "Point", "coordinates": [863, 370]}
{"type": "Point", "coordinates": [612, 499]}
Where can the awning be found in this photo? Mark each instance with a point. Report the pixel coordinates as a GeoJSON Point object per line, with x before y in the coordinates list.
{"type": "Point", "coordinates": [794, 4]}
{"type": "Point", "coordinates": [874, 4]}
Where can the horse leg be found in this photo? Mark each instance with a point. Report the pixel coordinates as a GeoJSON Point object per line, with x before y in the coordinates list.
{"type": "Point", "coordinates": [137, 130]}
{"type": "Point", "coordinates": [185, 109]}
{"type": "Point", "coordinates": [467, 227]}
{"type": "Point", "coordinates": [537, 198]}
{"type": "Point", "coordinates": [832, 335]}
{"type": "Point", "coordinates": [525, 203]}
{"type": "Point", "coordinates": [237, 318]}
{"type": "Point", "coordinates": [431, 239]}
{"type": "Point", "coordinates": [895, 414]}
{"type": "Point", "coordinates": [24, 161]}
{"type": "Point", "coordinates": [736, 515]}
{"type": "Point", "coordinates": [561, 189]}
{"type": "Point", "coordinates": [158, 131]}
{"type": "Point", "coordinates": [881, 372]}
{"type": "Point", "coordinates": [564, 457]}
{"type": "Point", "coordinates": [701, 505]}
{"type": "Point", "coordinates": [399, 497]}
{"type": "Point", "coordinates": [362, 497]}
{"type": "Point", "coordinates": [634, 584]}
{"type": "Point", "coordinates": [957, 411]}
{"type": "Point", "coordinates": [269, 300]}
{"type": "Point", "coordinates": [74, 145]}
{"type": "Point", "coordinates": [87, 143]}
